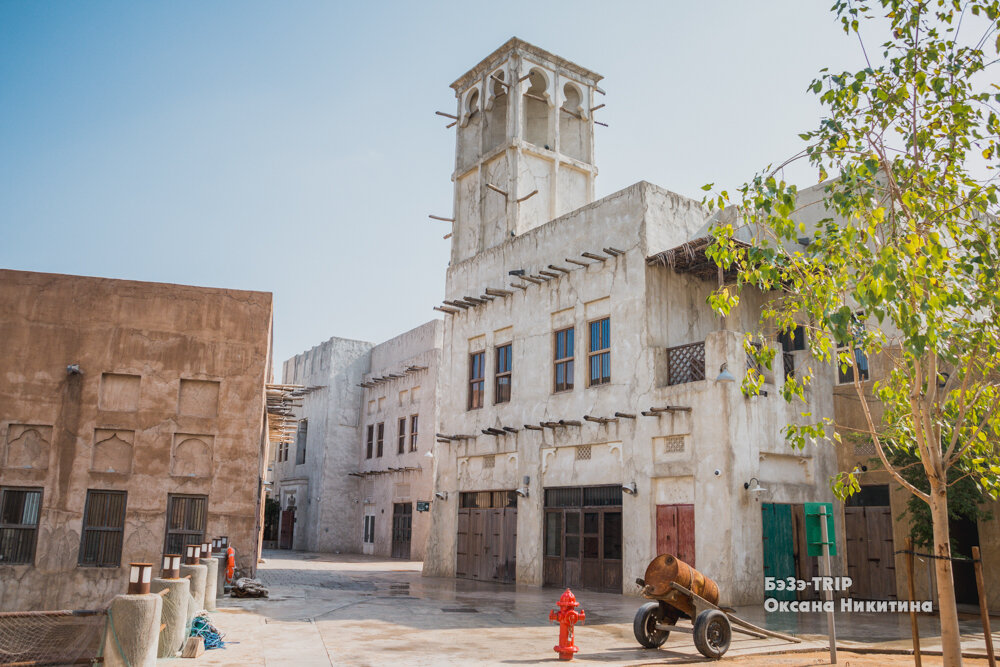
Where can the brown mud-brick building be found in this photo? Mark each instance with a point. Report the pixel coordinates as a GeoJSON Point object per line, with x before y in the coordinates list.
{"type": "Point", "coordinates": [132, 422]}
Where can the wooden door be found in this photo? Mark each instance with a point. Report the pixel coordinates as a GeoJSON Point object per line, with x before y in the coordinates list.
{"type": "Point", "coordinates": [806, 566]}
{"type": "Point", "coordinates": [508, 571]}
{"type": "Point", "coordinates": [402, 529]}
{"type": "Point", "coordinates": [287, 529]}
{"type": "Point", "coordinates": [779, 546]}
{"type": "Point", "coordinates": [463, 556]}
{"type": "Point", "coordinates": [487, 544]}
{"type": "Point", "coordinates": [870, 560]}
{"type": "Point", "coordinates": [675, 532]}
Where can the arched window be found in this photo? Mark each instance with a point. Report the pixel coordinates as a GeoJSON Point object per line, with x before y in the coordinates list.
{"type": "Point", "coordinates": [469, 128]}
{"type": "Point", "coordinates": [573, 129]}
{"type": "Point", "coordinates": [495, 132]}
{"type": "Point", "coordinates": [536, 110]}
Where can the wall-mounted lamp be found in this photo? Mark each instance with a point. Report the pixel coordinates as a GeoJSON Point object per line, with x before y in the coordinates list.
{"type": "Point", "coordinates": [171, 566]}
{"type": "Point", "coordinates": [753, 486]}
{"type": "Point", "coordinates": [441, 495]}
{"type": "Point", "coordinates": [206, 550]}
{"type": "Point", "coordinates": [725, 375]}
{"type": "Point", "coordinates": [429, 455]}
{"type": "Point", "coordinates": [224, 541]}
{"type": "Point", "coordinates": [192, 554]}
{"type": "Point", "coordinates": [74, 369]}
{"type": "Point", "coordinates": [139, 576]}
{"type": "Point", "coordinates": [629, 488]}
{"type": "Point", "coordinates": [525, 483]}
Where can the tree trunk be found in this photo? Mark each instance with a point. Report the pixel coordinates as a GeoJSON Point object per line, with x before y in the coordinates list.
{"type": "Point", "coordinates": [948, 612]}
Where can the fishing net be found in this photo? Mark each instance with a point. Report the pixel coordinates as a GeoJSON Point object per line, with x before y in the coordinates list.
{"type": "Point", "coordinates": [51, 637]}
{"type": "Point", "coordinates": [202, 627]}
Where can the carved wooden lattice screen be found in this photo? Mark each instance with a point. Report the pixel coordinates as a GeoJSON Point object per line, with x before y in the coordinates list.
{"type": "Point", "coordinates": [686, 363]}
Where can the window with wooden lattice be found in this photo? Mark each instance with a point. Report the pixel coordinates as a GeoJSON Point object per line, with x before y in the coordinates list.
{"type": "Point", "coordinates": [686, 363]}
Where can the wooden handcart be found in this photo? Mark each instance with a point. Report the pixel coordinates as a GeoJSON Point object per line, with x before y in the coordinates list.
{"type": "Point", "coordinates": [680, 592]}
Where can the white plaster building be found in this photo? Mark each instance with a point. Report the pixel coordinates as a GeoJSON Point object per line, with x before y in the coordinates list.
{"type": "Point", "coordinates": [581, 426]}
{"type": "Point", "coordinates": [358, 478]}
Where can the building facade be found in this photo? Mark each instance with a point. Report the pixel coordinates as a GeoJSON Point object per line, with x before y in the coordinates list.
{"type": "Point", "coordinates": [585, 421]}
{"type": "Point", "coordinates": [359, 478]}
{"type": "Point", "coordinates": [133, 422]}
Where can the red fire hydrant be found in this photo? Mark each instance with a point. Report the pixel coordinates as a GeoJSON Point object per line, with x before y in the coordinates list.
{"type": "Point", "coordinates": [567, 616]}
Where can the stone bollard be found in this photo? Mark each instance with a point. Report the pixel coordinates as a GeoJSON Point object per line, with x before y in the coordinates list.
{"type": "Point", "coordinates": [175, 614]}
{"type": "Point", "coordinates": [211, 582]}
{"type": "Point", "coordinates": [197, 575]}
{"type": "Point", "coordinates": [133, 630]}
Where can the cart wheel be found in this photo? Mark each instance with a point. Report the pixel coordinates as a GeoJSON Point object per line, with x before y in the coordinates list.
{"type": "Point", "coordinates": [644, 625]}
{"type": "Point", "coordinates": [712, 633]}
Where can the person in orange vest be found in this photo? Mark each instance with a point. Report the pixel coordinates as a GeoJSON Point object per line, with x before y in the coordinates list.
{"type": "Point", "coordinates": [230, 564]}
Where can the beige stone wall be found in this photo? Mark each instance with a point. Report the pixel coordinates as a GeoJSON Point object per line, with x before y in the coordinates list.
{"type": "Point", "coordinates": [170, 400]}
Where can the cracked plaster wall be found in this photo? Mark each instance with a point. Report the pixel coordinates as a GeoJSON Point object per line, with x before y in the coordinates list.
{"type": "Point", "coordinates": [650, 308]}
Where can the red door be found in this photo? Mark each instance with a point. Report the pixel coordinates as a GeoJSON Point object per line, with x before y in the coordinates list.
{"type": "Point", "coordinates": [287, 529]}
{"type": "Point", "coordinates": [675, 531]}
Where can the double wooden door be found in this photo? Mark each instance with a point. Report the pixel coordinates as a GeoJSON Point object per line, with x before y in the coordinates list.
{"type": "Point", "coordinates": [487, 544]}
{"type": "Point", "coordinates": [583, 548]}
{"type": "Point", "coordinates": [870, 560]}
{"type": "Point", "coordinates": [402, 529]}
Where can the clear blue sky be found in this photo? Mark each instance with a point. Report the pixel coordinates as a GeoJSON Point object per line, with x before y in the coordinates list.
{"type": "Point", "coordinates": [292, 147]}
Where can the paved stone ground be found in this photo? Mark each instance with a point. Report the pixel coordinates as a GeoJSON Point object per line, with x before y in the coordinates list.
{"type": "Point", "coordinates": [357, 610]}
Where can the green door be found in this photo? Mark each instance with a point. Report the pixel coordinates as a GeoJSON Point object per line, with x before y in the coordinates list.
{"type": "Point", "coordinates": [779, 546]}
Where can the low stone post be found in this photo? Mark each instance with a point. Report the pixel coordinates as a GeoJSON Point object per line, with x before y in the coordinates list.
{"type": "Point", "coordinates": [133, 630]}
{"type": "Point", "coordinates": [176, 594]}
{"type": "Point", "coordinates": [211, 581]}
{"type": "Point", "coordinates": [197, 573]}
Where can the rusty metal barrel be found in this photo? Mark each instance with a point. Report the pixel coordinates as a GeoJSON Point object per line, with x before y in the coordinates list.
{"type": "Point", "coordinates": [664, 570]}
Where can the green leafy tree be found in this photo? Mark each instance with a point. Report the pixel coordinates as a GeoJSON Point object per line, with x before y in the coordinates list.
{"type": "Point", "coordinates": [965, 501]}
{"type": "Point", "coordinates": [900, 265]}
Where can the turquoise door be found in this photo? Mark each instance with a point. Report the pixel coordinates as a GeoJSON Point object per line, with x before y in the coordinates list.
{"type": "Point", "coordinates": [779, 546]}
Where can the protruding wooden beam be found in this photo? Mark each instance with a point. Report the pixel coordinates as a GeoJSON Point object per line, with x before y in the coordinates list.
{"type": "Point", "coordinates": [510, 429]}
{"type": "Point", "coordinates": [539, 277]}
{"type": "Point", "coordinates": [614, 251]}
{"type": "Point", "coordinates": [500, 81]}
{"type": "Point", "coordinates": [445, 309]}
{"type": "Point", "coordinates": [496, 189]}
{"type": "Point", "coordinates": [458, 304]}
{"type": "Point", "coordinates": [569, 422]}
{"type": "Point", "coordinates": [597, 122]}
{"type": "Point", "coordinates": [485, 297]}
{"type": "Point", "coordinates": [599, 106]}
{"type": "Point", "coordinates": [590, 255]}
{"type": "Point", "coordinates": [519, 285]}
{"type": "Point", "coordinates": [441, 218]}
{"type": "Point", "coordinates": [447, 236]}
{"type": "Point", "coordinates": [624, 415]}
{"type": "Point", "coordinates": [550, 274]}
{"type": "Point", "coordinates": [558, 268]}
{"type": "Point", "coordinates": [446, 115]}
{"type": "Point", "coordinates": [493, 431]}
{"type": "Point", "coordinates": [600, 420]}
{"type": "Point", "coordinates": [451, 125]}
{"type": "Point", "coordinates": [532, 427]}
{"type": "Point", "coordinates": [498, 292]}
{"type": "Point", "coordinates": [646, 413]}
{"type": "Point", "coordinates": [672, 408]}
{"type": "Point", "coordinates": [527, 196]}
{"type": "Point", "coordinates": [552, 425]}
{"type": "Point", "coordinates": [442, 436]}
{"type": "Point", "coordinates": [532, 279]}
{"type": "Point", "coordinates": [577, 262]}
{"type": "Point", "coordinates": [474, 301]}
